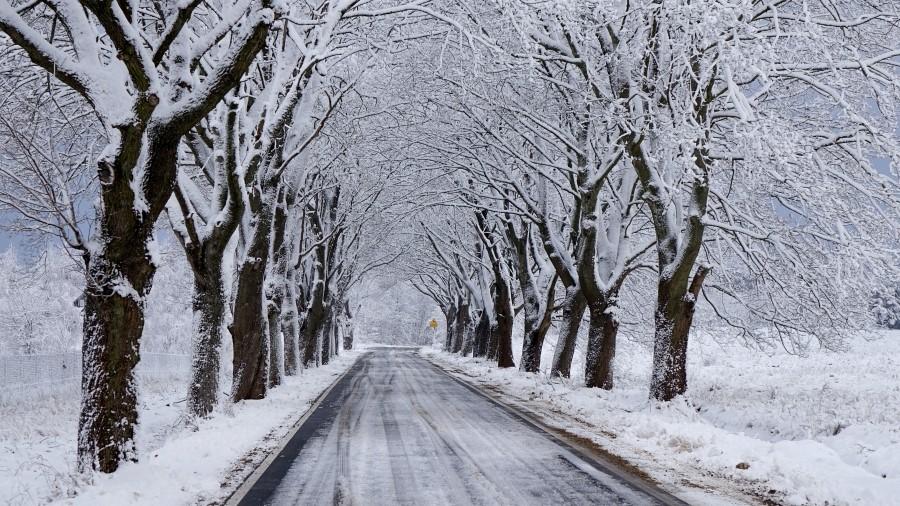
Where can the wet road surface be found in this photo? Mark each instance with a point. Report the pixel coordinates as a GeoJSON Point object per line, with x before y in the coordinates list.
{"type": "Point", "coordinates": [397, 430]}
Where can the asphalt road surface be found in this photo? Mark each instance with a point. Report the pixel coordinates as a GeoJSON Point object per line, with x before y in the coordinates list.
{"type": "Point", "coordinates": [398, 430]}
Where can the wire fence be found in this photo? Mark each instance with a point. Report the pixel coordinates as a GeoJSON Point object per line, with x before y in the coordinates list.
{"type": "Point", "coordinates": [21, 374]}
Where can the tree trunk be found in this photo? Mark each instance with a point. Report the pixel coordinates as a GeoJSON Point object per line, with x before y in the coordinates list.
{"type": "Point", "coordinates": [531, 342]}
{"type": "Point", "coordinates": [291, 330]}
{"type": "Point", "coordinates": [537, 315]}
{"type": "Point", "coordinates": [493, 341]}
{"type": "Point", "coordinates": [504, 327]}
{"type": "Point", "coordinates": [462, 323]}
{"type": "Point", "coordinates": [674, 315]}
{"type": "Point", "coordinates": [113, 323]}
{"type": "Point", "coordinates": [336, 336]}
{"type": "Point", "coordinates": [348, 327]}
{"type": "Point", "coordinates": [276, 286]}
{"type": "Point", "coordinates": [504, 341]}
{"type": "Point", "coordinates": [601, 348]}
{"type": "Point", "coordinates": [248, 332]}
{"type": "Point", "coordinates": [314, 321]}
{"type": "Point", "coordinates": [326, 337]}
{"type": "Point", "coordinates": [248, 328]}
{"type": "Point", "coordinates": [574, 306]}
{"type": "Point", "coordinates": [468, 339]}
{"type": "Point", "coordinates": [450, 318]}
{"type": "Point", "coordinates": [209, 311]}
{"type": "Point", "coordinates": [276, 343]}
{"type": "Point", "coordinates": [119, 277]}
{"type": "Point", "coordinates": [481, 336]}
{"type": "Point", "coordinates": [348, 337]}
{"type": "Point", "coordinates": [536, 332]}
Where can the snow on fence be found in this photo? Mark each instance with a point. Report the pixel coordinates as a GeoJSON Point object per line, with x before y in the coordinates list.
{"type": "Point", "coordinates": [21, 373]}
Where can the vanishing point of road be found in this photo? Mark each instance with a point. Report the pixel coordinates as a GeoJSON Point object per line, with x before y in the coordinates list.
{"type": "Point", "coordinates": [397, 430]}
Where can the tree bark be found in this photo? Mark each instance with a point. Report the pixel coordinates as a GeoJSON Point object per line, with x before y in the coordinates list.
{"type": "Point", "coordinates": [209, 312]}
{"type": "Point", "coordinates": [326, 338]}
{"type": "Point", "coordinates": [481, 336]}
{"type": "Point", "coordinates": [462, 324]}
{"type": "Point", "coordinates": [674, 315]}
{"type": "Point", "coordinates": [290, 313]}
{"type": "Point", "coordinates": [573, 309]}
{"type": "Point", "coordinates": [276, 343]}
{"type": "Point", "coordinates": [536, 332]}
{"type": "Point", "coordinates": [291, 331]}
{"type": "Point", "coordinates": [348, 325]}
{"type": "Point", "coordinates": [275, 288]}
{"type": "Point", "coordinates": [113, 323]}
{"type": "Point", "coordinates": [493, 341]}
{"type": "Point", "coordinates": [290, 328]}
{"type": "Point", "coordinates": [248, 328]}
{"type": "Point", "coordinates": [504, 341]}
{"type": "Point", "coordinates": [314, 321]}
{"type": "Point", "coordinates": [537, 313]}
{"type": "Point", "coordinates": [504, 327]}
{"type": "Point", "coordinates": [450, 318]}
{"type": "Point", "coordinates": [601, 348]}
{"type": "Point", "coordinates": [119, 277]}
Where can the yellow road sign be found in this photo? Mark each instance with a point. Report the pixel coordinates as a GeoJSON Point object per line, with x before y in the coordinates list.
{"type": "Point", "coordinates": [433, 324]}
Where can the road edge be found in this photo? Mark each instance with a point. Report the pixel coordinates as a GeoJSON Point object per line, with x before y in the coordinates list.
{"type": "Point", "coordinates": [235, 497]}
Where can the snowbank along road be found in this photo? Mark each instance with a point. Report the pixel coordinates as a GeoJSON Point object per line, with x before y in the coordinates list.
{"type": "Point", "coordinates": [398, 430]}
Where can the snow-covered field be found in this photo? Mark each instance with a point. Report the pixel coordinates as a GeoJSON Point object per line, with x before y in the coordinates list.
{"type": "Point", "coordinates": [178, 463]}
{"type": "Point", "coordinates": [821, 429]}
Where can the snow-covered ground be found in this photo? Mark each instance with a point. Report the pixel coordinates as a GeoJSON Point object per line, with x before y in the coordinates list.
{"type": "Point", "coordinates": [821, 429]}
{"type": "Point", "coordinates": [177, 464]}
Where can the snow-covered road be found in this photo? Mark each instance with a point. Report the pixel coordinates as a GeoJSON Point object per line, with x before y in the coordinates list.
{"type": "Point", "coordinates": [397, 430]}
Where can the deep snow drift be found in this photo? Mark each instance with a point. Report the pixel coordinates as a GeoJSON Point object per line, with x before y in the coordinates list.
{"type": "Point", "coordinates": [822, 429]}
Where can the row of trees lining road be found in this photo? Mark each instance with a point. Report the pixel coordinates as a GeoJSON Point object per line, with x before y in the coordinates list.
{"type": "Point", "coordinates": [627, 162]}
{"type": "Point", "coordinates": [218, 115]}
{"type": "Point", "coordinates": [604, 157]}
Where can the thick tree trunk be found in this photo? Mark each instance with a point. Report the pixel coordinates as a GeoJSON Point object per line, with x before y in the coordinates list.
{"type": "Point", "coordinates": [291, 330]}
{"type": "Point", "coordinates": [276, 342]}
{"type": "Point", "coordinates": [209, 311]}
{"type": "Point", "coordinates": [450, 318]}
{"type": "Point", "coordinates": [468, 339]}
{"type": "Point", "coordinates": [336, 337]}
{"type": "Point", "coordinates": [532, 343]}
{"type": "Point", "coordinates": [248, 332]}
{"type": "Point", "coordinates": [248, 328]}
{"type": "Point", "coordinates": [326, 338]}
{"type": "Point", "coordinates": [504, 327]}
{"type": "Point", "coordinates": [119, 277]}
{"type": "Point", "coordinates": [462, 324]}
{"type": "Point", "coordinates": [348, 327]}
{"type": "Point", "coordinates": [275, 291]}
{"type": "Point", "coordinates": [348, 337]}
{"type": "Point", "coordinates": [481, 336]}
{"type": "Point", "coordinates": [573, 309]}
{"type": "Point", "coordinates": [601, 348]}
{"type": "Point", "coordinates": [493, 341]}
{"type": "Point", "coordinates": [537, 315]}
{"type": "Point", "coordinates": [536, 332]}
{"type": "Point", "coordinates": [314, 320]}
{"type": "Point", "coordinates": [113, 323]}
{"type": "Point", "coordinates": [674, 315]}
{"type": "Point", "coordinates": [504, 341]}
